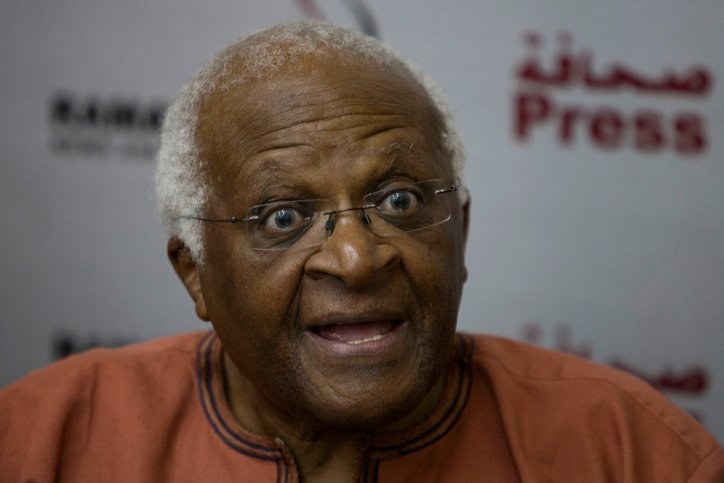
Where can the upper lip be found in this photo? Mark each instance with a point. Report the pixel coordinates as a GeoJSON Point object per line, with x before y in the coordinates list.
{"type": "Point", "coordinates": [346, 318]}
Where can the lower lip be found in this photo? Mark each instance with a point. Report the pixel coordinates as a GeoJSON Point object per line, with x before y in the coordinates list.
{"type": "Point", "coordinates": [387, 343]}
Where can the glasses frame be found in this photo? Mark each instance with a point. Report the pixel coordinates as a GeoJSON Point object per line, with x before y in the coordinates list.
{"type": "Point", "coordinates": [331, 215]}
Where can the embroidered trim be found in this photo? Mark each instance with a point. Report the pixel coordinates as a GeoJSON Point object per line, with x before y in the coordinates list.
{"type": "Point", "coordinates": [204, 375]}
{"type": "Point", "coordinates": [435, 430]}
{"type": "Point", "coordinates": [430, 434]}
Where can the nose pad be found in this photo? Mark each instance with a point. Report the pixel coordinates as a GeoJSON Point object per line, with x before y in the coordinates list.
{"type": "Point", "coordinates": [329, 225]}
{"type": "Point", "coordinates": [331, 222]}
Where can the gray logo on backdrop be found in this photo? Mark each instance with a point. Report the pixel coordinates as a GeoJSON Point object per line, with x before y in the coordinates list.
{"type": "Point", "coordinates": [97, 127]}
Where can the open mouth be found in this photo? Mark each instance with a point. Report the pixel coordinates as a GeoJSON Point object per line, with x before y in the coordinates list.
{"type": "Point", "coordinates": [356, 333]}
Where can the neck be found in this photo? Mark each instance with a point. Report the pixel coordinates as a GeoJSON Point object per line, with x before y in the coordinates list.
{"type": "Point", "coordinates": [321, 453]}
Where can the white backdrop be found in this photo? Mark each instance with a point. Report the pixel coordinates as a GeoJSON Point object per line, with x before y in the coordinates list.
{"type": "Point", "coordinates": [594, 135]}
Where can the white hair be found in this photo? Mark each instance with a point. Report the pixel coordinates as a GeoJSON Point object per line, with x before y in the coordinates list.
{"type": "Point", "coordinates": [181, 188]}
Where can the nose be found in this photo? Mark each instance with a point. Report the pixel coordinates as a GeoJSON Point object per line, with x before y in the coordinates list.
{"type": "Point", "coordinates": [353, 254]}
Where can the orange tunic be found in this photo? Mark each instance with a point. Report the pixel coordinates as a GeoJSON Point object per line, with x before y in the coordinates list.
{"type": "Point", "coordinates": [510, 412]}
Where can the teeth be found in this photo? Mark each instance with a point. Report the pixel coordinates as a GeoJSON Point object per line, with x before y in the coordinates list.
{"type": "Point", "coordinates": [369, 339]}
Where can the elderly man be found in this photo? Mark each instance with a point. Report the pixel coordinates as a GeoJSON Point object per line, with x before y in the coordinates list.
{"type": "Point", "coordinates": [310, 181]}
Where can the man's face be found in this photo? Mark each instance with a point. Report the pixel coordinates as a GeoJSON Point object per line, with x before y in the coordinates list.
{"type": "Point", "coordinates": [354, 333]}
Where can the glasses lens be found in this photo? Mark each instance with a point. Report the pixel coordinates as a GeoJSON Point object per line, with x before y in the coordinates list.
{"type": "Point", "coordinates": [407, 207]}
{"type": "Point", "coordinates": [279, 225]}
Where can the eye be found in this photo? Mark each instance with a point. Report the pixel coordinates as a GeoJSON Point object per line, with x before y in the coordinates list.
{"type": "Point", "coordinates": [279, 224]}
{"type": "Point", "coordinates": [278, 219]}
{"type": "Point", "coordinates": [284, 218]}
{"type": "Point", "coordinates": [400, 202]}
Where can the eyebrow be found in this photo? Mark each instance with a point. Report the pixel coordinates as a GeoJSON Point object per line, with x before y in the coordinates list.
{"type": "Point", "coordinates": [405, 161]}
{"type": "Point", "coordinates": [274, 182]}
{"type": "Point", "coordinates": [403, 147]}
{"type": "Point", "coordinates": [273, 166]}
{"type": "Point", "coordinates": [271, 178]}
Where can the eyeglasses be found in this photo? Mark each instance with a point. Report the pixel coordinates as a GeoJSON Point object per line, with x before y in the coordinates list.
{"type": "Point", "coordinates": [402, 207]}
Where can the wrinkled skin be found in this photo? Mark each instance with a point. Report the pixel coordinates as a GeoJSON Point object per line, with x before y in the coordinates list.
{"type": "Point", "coordinates": [321, 129]}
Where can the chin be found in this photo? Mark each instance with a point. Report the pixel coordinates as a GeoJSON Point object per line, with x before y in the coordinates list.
{"type": "Point", "coordinates": [376, 407]}
{"type": "Point", "coordinates": [365, 419]}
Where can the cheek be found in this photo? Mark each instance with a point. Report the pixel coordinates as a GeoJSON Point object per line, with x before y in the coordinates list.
{"type": "Point", "coordinates": [438, 260]}
{"type": "Point", "coordinates": [437, 272]}
{"type": "Point", "coordinates": [251, 295]}
{"type": "Point", "coordinates": [254, 314]}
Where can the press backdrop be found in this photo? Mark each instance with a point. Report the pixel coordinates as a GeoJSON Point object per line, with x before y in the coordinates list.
{"type": "Point", "coordinates": [594, 135]}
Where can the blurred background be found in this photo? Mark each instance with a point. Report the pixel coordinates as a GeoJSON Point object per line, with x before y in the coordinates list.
{"type": "Point", "coordinates": [594, 136]}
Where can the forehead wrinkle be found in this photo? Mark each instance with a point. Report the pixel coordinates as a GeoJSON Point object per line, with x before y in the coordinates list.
{"type": "Point", "coordinates": [300, 106]}
{"type": "Point", "coordinates": [303, 151]}
{"type": "Point", "coordinates": [317, 103]}
{"type": "Point", "coordinates": [303, 162]}
{"type": "Point", "coordinates": [312, 126]}
{"type": "Point", "coordinates": [265, 120]}
{"type": "Point", "coordinates": [294, 160]}
{"type": "Point", "coordinates": [261, 124]}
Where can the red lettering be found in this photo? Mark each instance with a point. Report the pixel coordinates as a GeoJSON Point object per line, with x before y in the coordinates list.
{"type": "Point", "coordinates": [690, 136]}
{"type": "Point", "coordinates": [648, 135]}
{"type": "Point", "coordinates": [529, 109]}
{"type": "Point", "coordinates": [607, 128]}
{"type": "Point", "coordinates": [568, 118]}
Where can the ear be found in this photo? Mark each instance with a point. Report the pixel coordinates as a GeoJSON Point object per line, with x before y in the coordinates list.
{"type": "Point", "coordinates": [188, 271]}
{"type": "Point", "coordinates": [466, 215]}
{"type": "Point", "coordinates": [466, 226]}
